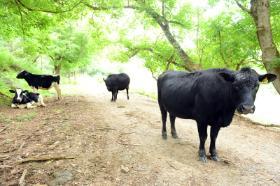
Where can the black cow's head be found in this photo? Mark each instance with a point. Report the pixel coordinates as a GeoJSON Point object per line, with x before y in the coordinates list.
{"type": "Point", "coordinates": [19, 95]}
{"type": "Point", "coordinates": [108, 84]}
{"type": "Point", "coordinates": [22, 74]}
{"type": "Point", "coordinates": [245, 86]}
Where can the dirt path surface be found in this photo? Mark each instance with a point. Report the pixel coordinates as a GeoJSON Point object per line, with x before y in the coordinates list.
{"type": "Point", "coordinates": [120, 144]}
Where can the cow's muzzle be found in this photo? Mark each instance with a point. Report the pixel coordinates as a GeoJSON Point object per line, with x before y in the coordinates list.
{"type": "Point", "coordinates": [246, 109]}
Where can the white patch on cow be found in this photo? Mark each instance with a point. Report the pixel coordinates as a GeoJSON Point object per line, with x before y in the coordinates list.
{"type": "Point", "coordinates": [18, 92]}
{"type": "Point", "coordinates": [14, 105]}
{"type": "Point", "coordinates": [21, 106]}
{"type": "Point", "coordinates": [30, 105]}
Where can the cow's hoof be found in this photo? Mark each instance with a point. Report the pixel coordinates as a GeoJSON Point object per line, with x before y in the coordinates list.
{"type": "Point", "coordinates": [202, 156]}
{"type": "Point", "coordinates": [203, 159]}
{"type": "Point", "coordinates": [164, 135]}
{"type": "Point", "coordinates": [214, 157]}
{"type": "Point", "coordinates": [174, 135]}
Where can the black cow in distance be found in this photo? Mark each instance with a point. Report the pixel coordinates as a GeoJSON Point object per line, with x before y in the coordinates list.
{"type": "Point", "coordinates": [116, 82]}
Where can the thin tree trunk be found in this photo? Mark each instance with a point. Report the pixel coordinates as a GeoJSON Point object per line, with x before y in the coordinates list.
{"type": "Point", "coordinates": [163, 23]}
{"type": "Point", "coordinates": [57, 69]}
{"type": "Point", "coordinates": [261, 14]}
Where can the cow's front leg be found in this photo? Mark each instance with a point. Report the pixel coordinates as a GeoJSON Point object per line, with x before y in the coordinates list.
{"type": "Point", "coordinates": [41, 101]}
{"type": "Point", "coordinates": [202, 131]}
{"type": "Point", "coordinates": [116, 95]}
{"type": "Point", "coordinates": [212, 149]}
{"type": "Point", "coordinates": [112, 96]}
{"type": "Point", "coordinates": [127, 94]}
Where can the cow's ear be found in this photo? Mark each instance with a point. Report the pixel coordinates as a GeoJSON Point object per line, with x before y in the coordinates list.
{"type": "Point", "coordinates": [104, 79]}
{"type": "Point", "coordinates": [12, 91]}
{"type": "Point", "coordinates": [25, 91]}
{"type": "Point", "coordinates": [267, 78]}
{"type": "Point", "coordinates": [227, 76]}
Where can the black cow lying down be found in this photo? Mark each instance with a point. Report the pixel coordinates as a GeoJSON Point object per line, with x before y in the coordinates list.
{"type": "Point", "coordinates": [209, 97]}
{"type": "Point", "coordinates": [25, 99]}
{"type": "Point", "coordinates": [116, 82]}
{"type": "Point", "coordinates": [41, 81]}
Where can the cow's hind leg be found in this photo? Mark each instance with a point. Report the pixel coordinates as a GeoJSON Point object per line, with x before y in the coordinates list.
{"type": "Point", "coordinates": [202, 131]}
{"type": "Point", "coordinates": [58, 90]}
{"type": "Point", "coordinates": [213, 135]}
{"type": "Point", "coordinates": [116, 95]}
{"type": "Point", "coordinates": [173, 129]}
{"type": "Point", "coordinates": [163, 118]}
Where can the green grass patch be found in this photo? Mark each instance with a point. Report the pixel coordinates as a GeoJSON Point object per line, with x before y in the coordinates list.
{"type": "Point", "coordinates": [5, 120]}
{"type": "Point", "coordinates": [147, 94]}
{"type": "Point", "coordinates": [26, 117]}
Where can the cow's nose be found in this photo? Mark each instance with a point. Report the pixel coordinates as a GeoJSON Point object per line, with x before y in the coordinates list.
{"type": "Point", "coordinates": [247, 109]}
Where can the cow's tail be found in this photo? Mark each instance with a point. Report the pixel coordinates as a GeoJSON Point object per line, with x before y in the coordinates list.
{"type": "Point", "coordinates": [57, 79]}
{"type": "Point", "coordinates": [159, 80]}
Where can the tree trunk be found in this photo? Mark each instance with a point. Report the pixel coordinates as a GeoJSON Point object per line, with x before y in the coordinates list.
{"type": "Point", "coordinates": [163, 23]}
{"type": "Point", "coordinates": [261, 14]}
{"type": "Point", "coordinates": [57, 69]}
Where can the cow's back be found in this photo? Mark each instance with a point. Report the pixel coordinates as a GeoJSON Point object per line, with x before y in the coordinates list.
{"type": "Point", "coordinates": [201, 95]}
{"type": "Point", "coordinates": [175, 92]}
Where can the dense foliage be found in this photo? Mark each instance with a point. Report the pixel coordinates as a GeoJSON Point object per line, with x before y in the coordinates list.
{"type": "Point", "coordinates": [50, 36]}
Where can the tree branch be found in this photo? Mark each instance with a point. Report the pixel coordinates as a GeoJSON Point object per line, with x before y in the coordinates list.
{"type": "Point", "coordinates": [111, 7]}
{"type": "Point", "coordinates": [21, 17]}
{"type": "Point", "coordinates": [164, 25]}
{"type": "Point", "coordinates": [221, 50]}
{"type": "Point", "coordinates": [243, 7]}
{"type": "Point", "coordinates": [48, 11]}
{"type": "Point", "coordinates": [177, 23]}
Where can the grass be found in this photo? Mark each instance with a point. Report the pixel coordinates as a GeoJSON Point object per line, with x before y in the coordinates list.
{"type": "Point", "coordinates": [26, 117]}
{"type": "Point", "coordinates": [5, 120]}
{"type": "Point", "coordinates": [148, 94]}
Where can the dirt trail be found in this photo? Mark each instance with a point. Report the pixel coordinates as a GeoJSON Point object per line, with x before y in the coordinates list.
{"type": "Point", "coordinates": [120, 144]}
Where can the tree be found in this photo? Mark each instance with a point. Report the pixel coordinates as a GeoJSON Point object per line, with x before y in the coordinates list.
{"type": "Point", "coordinates": [260, 12]}
{"type": "Point", "coordinates": [163, 13]}
{"type": "Point", "coordinates": [226, 41]}
{"type": "Point", "coordinates": [68, 49]}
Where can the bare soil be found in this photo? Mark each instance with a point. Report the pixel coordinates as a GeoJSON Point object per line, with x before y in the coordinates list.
{"type": "Point", "coordinates": [120, 144]}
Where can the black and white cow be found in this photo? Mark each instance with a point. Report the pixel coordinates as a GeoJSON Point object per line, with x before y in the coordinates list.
{"type": "Point", "coordinates": [209, 97]}
{"type": "Point", "coordinates": [41, 81]}
{"type": "Point", "coordinates": [25, 99]}
{"type": "Point", "coordinates": [116, 82]}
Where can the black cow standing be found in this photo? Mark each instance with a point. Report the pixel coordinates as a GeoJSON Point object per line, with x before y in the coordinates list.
{"type": "Point", "coordinates": [41, 81]}
{"type": "Point", "coordinates": [209, 97]}
{"type": "Point", "coordinates": [116, 82]}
